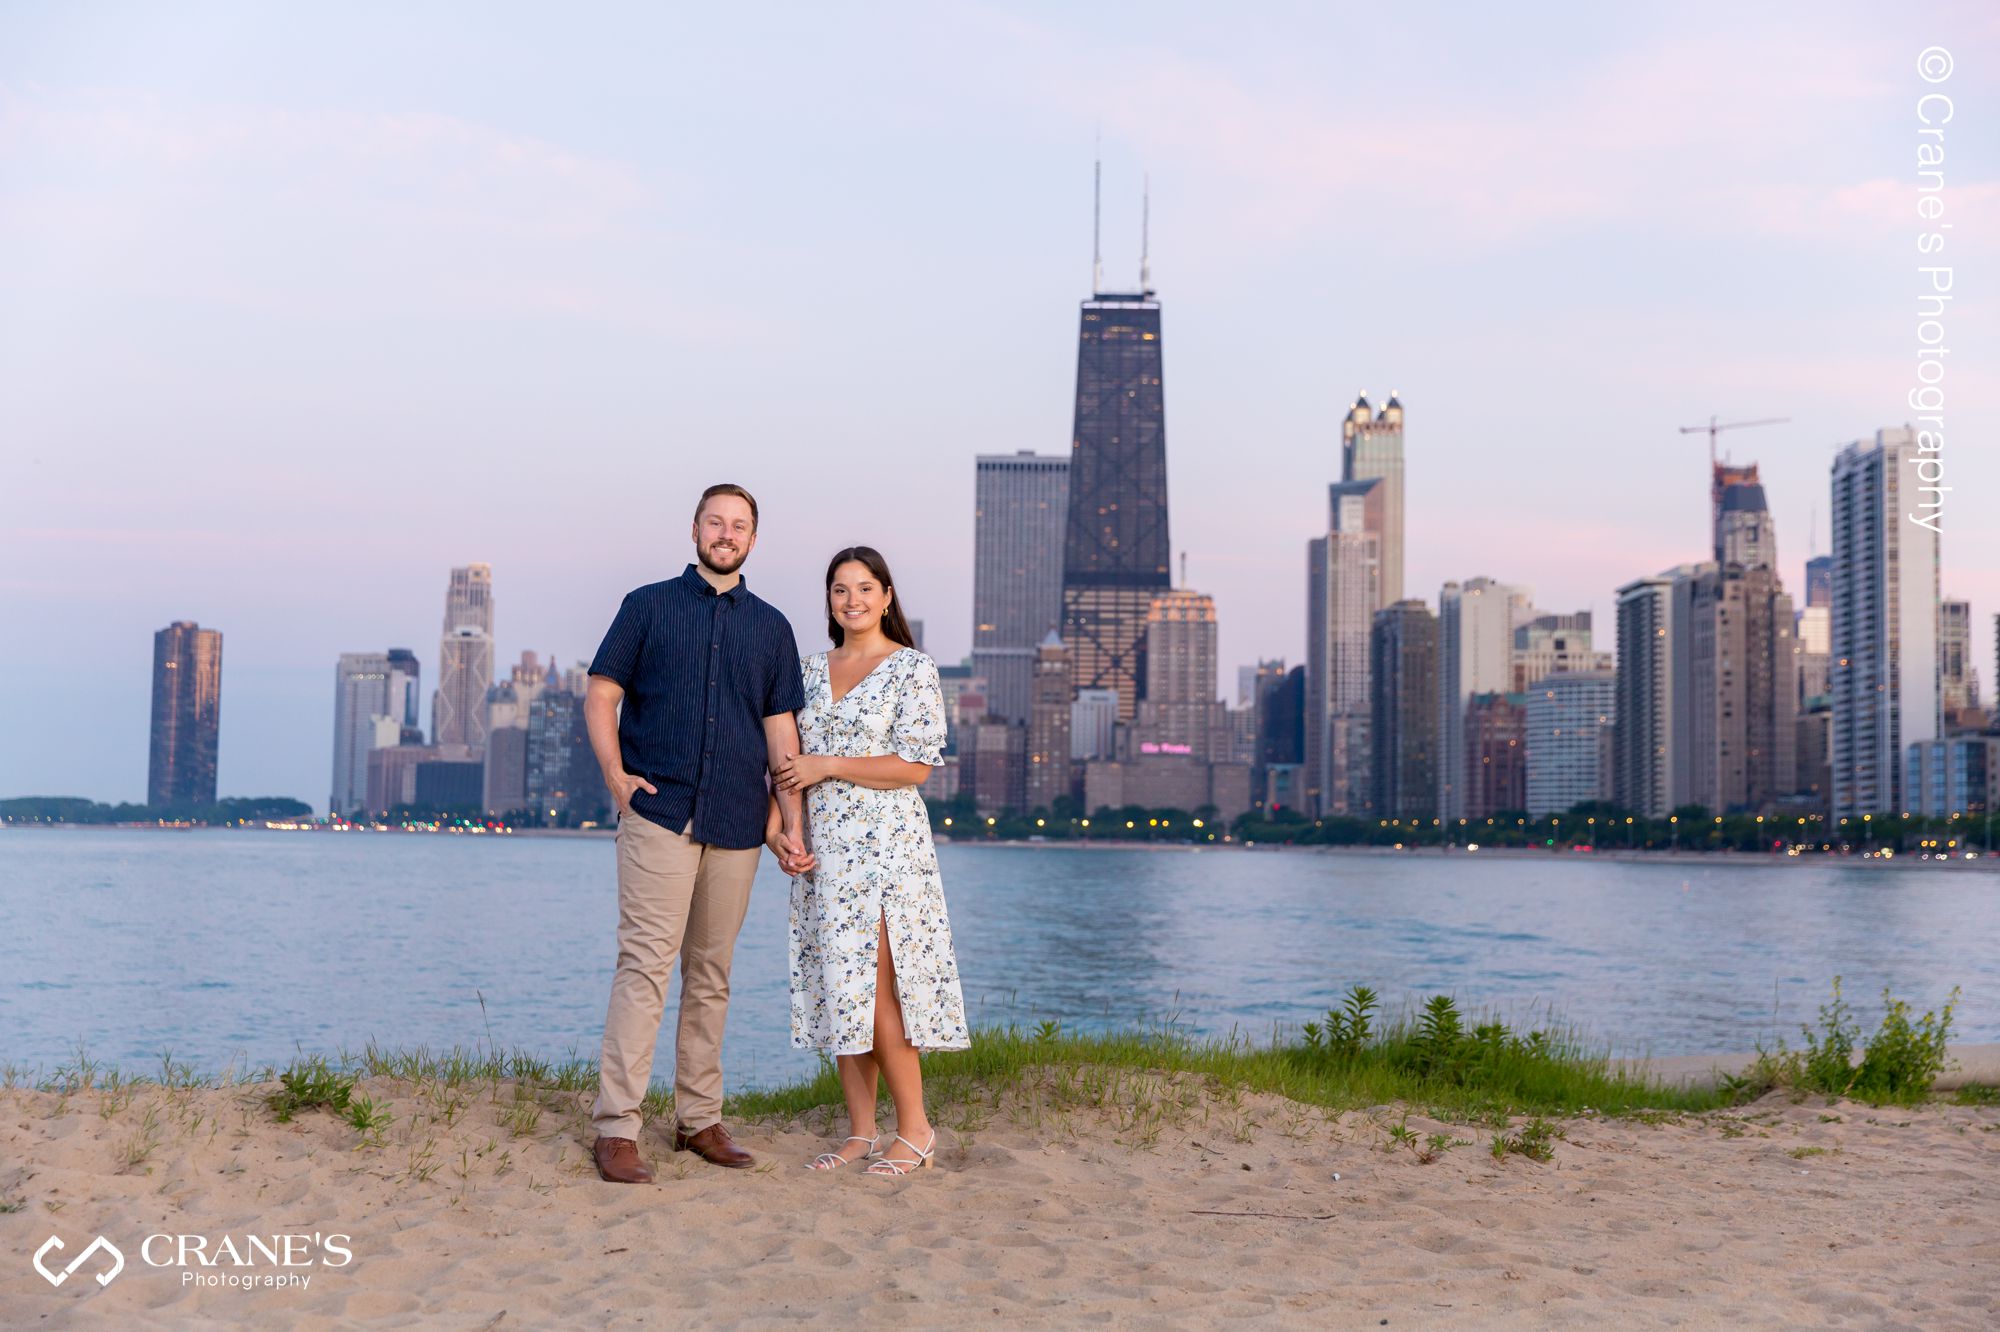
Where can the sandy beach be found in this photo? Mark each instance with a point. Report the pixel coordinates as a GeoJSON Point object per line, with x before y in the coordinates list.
{"type": "Point", "coordinates": [1138, 1201]}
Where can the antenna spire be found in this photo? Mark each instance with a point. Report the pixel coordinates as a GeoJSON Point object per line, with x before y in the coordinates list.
{"type": "Point", "coordinates": [1096, 224]}
{"type": "Point", "coordinates": [1145, 228]}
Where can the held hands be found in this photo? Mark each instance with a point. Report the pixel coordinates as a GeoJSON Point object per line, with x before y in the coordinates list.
{"type": "Point", "coordinates": [802, 770]}
{"type": "Point", "coordinates": [794, 857]}
{"type": "Point", "coordinates": [623, 784]}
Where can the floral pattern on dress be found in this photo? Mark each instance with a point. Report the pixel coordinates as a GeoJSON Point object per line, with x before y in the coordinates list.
{"type": "Point", "coordinates": [876, 863]}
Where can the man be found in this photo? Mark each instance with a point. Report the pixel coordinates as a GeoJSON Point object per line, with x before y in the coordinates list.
{"type": "Point", "coordinates": [708, 676]}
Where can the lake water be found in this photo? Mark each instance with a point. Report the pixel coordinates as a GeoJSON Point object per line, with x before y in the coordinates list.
{"type": "Point", "coordinates": [242, 947]}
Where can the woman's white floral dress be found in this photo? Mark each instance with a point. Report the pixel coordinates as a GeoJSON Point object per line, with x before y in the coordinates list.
{"type": "Point", "coordinates": [876, 863]}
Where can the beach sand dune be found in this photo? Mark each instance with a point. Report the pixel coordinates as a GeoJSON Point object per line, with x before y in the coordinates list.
{"type": "Point", "coordinates": [1147, 1202]}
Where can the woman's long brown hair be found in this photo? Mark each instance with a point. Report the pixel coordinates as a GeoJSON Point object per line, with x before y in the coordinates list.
{"type": "Point", "coordinates": [893, 624]}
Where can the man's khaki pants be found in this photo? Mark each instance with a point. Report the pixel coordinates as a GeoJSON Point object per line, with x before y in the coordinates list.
{"type": "Point", "coordinates": [676, 896]}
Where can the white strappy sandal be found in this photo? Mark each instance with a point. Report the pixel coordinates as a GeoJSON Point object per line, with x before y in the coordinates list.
{"type": "Point", "coordinates": [889, 1165]}
{"type": "Point", "coordinates": [834, 1160]}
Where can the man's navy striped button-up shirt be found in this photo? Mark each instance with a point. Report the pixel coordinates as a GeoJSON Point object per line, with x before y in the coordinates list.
{"type": "Point", "coordinates": [701, 670]}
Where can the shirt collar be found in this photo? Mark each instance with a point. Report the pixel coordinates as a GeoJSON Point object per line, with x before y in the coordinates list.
{"type": "Point", "coordinates": [702, 587]}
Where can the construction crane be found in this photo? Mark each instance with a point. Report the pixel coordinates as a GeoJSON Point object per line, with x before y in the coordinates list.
{"type": "Point", "coordinates": [1722, 475]}
{"type": "Point", "coordinates": [1714, 428]}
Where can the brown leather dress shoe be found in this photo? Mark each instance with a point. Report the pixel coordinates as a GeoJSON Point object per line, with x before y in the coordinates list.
{"type": "Point", "coordinates": [618, 1161]}
{"type": "Point", "coordinates": [713, 1145]}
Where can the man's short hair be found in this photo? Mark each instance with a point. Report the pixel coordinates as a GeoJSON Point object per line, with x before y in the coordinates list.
{"type": "Point", "coordinates": [726, 488]}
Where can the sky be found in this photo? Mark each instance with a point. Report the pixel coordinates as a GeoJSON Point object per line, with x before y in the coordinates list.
{"type": "Point", "coordinates": [299, 309]}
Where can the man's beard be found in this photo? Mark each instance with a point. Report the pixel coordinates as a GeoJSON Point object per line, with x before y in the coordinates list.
{"type": "Point", "coordinates": [722, 563]}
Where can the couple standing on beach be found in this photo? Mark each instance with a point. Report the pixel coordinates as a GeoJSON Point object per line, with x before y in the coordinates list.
{"type": "Point", "coordinates": [696, 695]}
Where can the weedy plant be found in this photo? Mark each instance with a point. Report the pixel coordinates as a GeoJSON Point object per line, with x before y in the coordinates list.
{"type": "Point", "coordinates": [1536, 1141]}
{"type": "Point", "coordinates": [1346, 1029]}
{"type": "Point", "coordinates": [311, 1084]}
{"type": "Point", "coordinates": [1899, 1066]}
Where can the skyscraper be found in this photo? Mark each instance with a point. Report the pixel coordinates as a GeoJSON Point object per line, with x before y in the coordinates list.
{"type": "Point", "coordinates": [1403, 686]}
{"type": "Point", "coordinates": [1475, 656]}
{"type": "Point", "coordinates": [1884, 668]}
{"type": "Point", "coordinates": [405, 691]}
{"type": "Point", "coordinates": [1049, 765]}
{"type": "Point", "coordinates": [1093, 724]}
{"type": "Point", "coordinates": [1569, 716]}
{"type": "Point", "coordinates": [1180, 706]}
{"type": "Point", "coordinates": [187, 715]}
{"type": "Point", "coordinates": [1343, 590]}
{"type": "Point", "coordinates": [1745, 533]}
{"type": "Point", "coordinates": [1371, 448]}
{"type": "Point", "coordinates": [465, 660]}
{"type": "Point", "coordinates": [1020, 514]}
{"type": "Point", "coordinates": [1116, 551]}
{"type": "Point", "coordinates": [1735, 703]}
{"type": "Point", "coordinates": [1958, 678]}
{"type": "Point", "coordinates": [1546, 644]}
{"type": "Point", "coordinates": [564, 783]}
{"type": "Point", "coordinates": [1723, 475]}
{"type": "Point", "coordinates": [1496, 755]}
{"type": "Point", "coordinates": [509, 714]}
{"type": "Point", "coordinates": [1642, 744]}
{"type": "Point", "coordinates": [1813, 635]}
{"type": "Point", "coordinates": [360, 699]}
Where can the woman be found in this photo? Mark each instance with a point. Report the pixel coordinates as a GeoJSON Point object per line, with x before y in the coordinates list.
{"type": "Point", "coordinates": [873, 976]}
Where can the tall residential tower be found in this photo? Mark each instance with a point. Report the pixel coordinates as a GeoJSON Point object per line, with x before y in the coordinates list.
{"type": "Point", "coordinates": [1884, 642]}
{"type": "Point", "coordinates": [187, 715]}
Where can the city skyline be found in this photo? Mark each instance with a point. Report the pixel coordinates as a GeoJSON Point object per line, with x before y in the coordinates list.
{"type": "Point", "coordinates": [192, 392]}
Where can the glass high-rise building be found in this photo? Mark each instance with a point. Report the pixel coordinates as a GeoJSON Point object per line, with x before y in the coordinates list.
{"type": "Point", "coordinates": [361, 690]}
{"type": "Point", "coordinates": [1116, 551]}
{"type": "Point", "coordinates": [1020, 512]}
{"type": "Point", "coordinates": [369, 690]}
{"type": "Point", "coordinates": [405, 675]}
{"type": "Point", "coordinates": [1403, 705]}
{"type": "Point", "coordinates": [1343, 589]}
{"type": "Point", "coordinates": [1570, 715]}
{"type": "Point", "coordinates": [187, 715]}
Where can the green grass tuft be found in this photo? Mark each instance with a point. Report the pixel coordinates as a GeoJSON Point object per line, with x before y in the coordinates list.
{"type": "Point", "coordinates": [1347, 1062]}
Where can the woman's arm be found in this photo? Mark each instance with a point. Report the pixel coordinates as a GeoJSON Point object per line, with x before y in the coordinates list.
{"type": "Point", "coordinates": [881, 772]}
{"type": "Point", "coordinates": [878, 772]}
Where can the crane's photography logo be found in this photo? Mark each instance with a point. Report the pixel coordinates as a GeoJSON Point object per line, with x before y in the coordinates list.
{"type": "Point", "coordinates": [56, 1278]}
{"type": "Point", "coordinates": [228, 1261]}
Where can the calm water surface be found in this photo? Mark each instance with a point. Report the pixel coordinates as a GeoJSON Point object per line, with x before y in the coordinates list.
{"type": "Point", "coordinates": [241, 947]}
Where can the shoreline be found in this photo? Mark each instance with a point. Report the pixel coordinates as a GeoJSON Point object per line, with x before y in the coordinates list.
{"type": "Point", "coordinates": [1981, 862]}
{"type": "Point", "coordinates": [1986, 863]}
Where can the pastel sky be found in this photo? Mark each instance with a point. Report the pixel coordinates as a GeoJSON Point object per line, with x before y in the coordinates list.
{"type": "Point", "coordinates": [299, 309]}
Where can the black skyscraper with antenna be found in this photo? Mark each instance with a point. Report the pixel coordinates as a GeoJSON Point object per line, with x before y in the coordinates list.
{"type": "Point", "coordinates": [1116, 552]}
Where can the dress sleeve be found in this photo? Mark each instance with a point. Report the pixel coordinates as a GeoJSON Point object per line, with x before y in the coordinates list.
{"type": "Point", "coordinates": [918, 732]}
